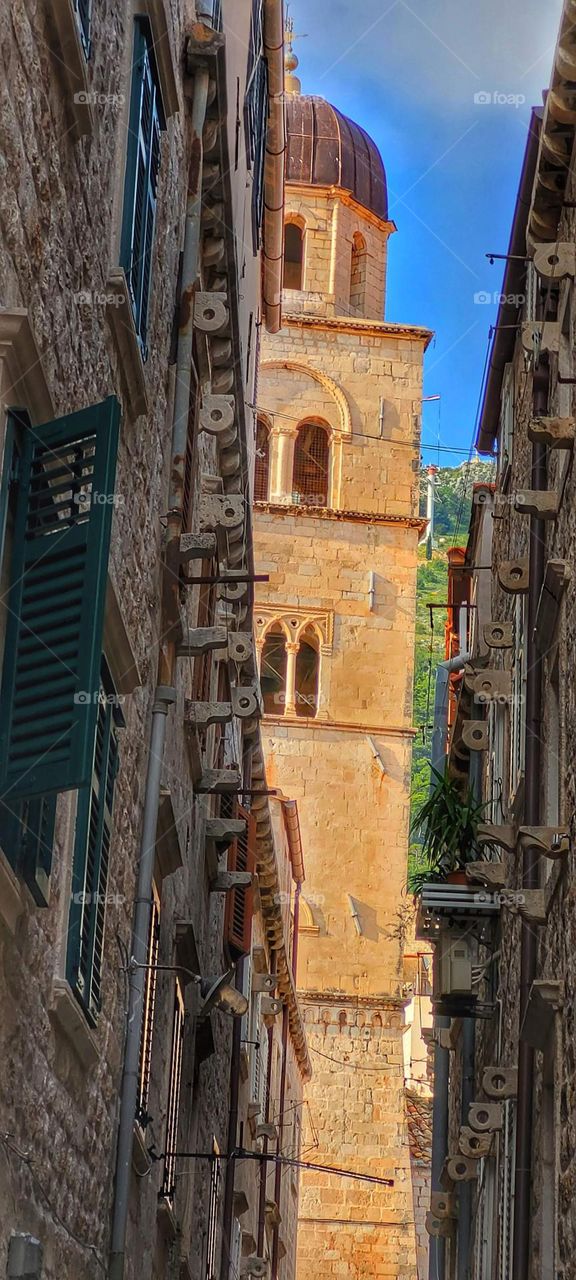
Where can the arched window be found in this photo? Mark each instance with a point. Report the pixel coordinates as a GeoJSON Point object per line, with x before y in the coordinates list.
{"type": "Point", "coordinates": [293, 255]}
{"type": "Point", "coordinates": [262, 468]}
{"type": "Point", "coordinates": [358, 274]}
{"type": "Point", "coordinates": [307, 671]}
{"type": "Point", "coordinates": [273, 671]}
{"type": "Point", "coordinates": [311, 475]}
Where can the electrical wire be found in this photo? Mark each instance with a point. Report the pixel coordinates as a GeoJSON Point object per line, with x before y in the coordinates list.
{"type": "Point", "coordinates": [366, 435]}
{"type": "Point", "coordinates": [9, 1145]}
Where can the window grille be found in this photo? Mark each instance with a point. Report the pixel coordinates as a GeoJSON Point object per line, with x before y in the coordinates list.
{"type": "Point", "coordinates": [307, 673]}
{"type": "Point", "coordinates": [273, 672]}
{"type": "Point", "coordinates": [506, 1191]}
{"type": "Point", "coordinates": [148, 1020]}
{"type": "Point", "coordinates": [256, 117]}
{"type": "Point", "coordinates": [173, 1111]}
{"type": "Point", "coordinates": [311, 466]}
{"type": "Point", "coordinates": [358, 274]}
{"type": "Point", "coordinates": [213, 1208]}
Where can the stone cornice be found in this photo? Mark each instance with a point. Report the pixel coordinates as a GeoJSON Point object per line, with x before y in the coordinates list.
{"type": "Point", "coordinates": [342, 726]}
{"type": "Point", "coordinates": [353, 517]}
{"type": "Point", "coordinates": [369, 328]}
{"type": "Point", "coordinates": [345, 196]}
{"type": "Point", "coordinates": [386, 1002]}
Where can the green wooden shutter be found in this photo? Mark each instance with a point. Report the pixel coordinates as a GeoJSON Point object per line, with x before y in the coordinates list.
{"type": "Point", "coordinates": [142, 167]}
{"type": "Point", "coordinates": [84, 13]}
{"type": "Point", "coordinates": [51, 673]}
{"type": "Point", "coordinates": [90, 869]}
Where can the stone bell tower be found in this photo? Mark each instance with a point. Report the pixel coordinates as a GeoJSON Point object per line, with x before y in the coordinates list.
{"type": "Point", "coordinates": [336, 530]}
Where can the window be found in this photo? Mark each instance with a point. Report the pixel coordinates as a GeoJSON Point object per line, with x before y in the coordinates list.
{"type": "Point", "coordinates": [273, 671]}
{"type": "Point", "coordinates": [307, 671]}
{"type": "Point", "coordinates": [310, 477]}
{"type": "Point", "coordinates": [240, 901]}
{"type": "Point", "coordinates": [506, 1191]}
{"type": "Point", "coordinates": [174, 1081]}
{"type": "Point", "coordinates": [256, 118]}
{"type": "Point", "coordinates": [91, 859]}
{"type": "Point", "coordinates": [484, 1243]}
{"type": "Point", "coordinates": [141, 184]}
{"type": "Point", "coordinates": [358, 274]}
{"type": "Point", "coordinates": [148, 1017]}
{"type": "Point", "coordinates": [293, 256]}
{"type": "Point", "coordinates": [518, 706]}
{"type": "Point", "coordinates": [262, 468]}
{"type": "Point", "coordinates": [506, 433]}
{"type": "Point", "coordinates": [83, 9]}
{"type": "Point", "coordinates": [58, 556]}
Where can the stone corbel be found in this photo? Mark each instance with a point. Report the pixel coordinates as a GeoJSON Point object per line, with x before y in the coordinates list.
{"type": "Point", "coordinates": [545, 1001]}
{"type": "Point", "coordinates": [22, 381]}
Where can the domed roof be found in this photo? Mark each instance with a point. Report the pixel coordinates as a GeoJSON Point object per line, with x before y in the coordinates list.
{"type": "Point", "coordinates": [325, 148]}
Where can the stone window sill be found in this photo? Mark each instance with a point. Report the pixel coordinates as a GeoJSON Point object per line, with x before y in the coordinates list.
{"type": "Point", "coordinates": [73, 67]}
{"type": "Point", "coordinates": [123, 330]}
{"type": "Point", "coordinates": [141, 1162]}
{"type": "Point", "coordinates": [167, 1219]}
{"type": "Point", "coordinates": [67, 1013]}
{"type": "Point", "coordinates": [11, 901]}
{"type": "Point", "coordinates": [164, 55]}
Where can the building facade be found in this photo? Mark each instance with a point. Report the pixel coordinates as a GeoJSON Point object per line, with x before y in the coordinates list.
{"type": "Point", "coordinates": [505, 1208]}
{"type": "Point", "coordinates": [151, 1038]}
{"type": "Point", "coordinates": [337, 529]}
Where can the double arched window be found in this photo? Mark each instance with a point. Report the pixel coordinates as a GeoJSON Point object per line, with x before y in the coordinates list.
{"type": "Point", "coordinates": [293, 255]}
{"type": "Point", "coordinates": [311, 472]}
{"type": "Point", "coordinates": [290, 673]}
{"type": "Point", "coordinates": [262, 466]}
{"type": "Point", "coordinates": [358, 274]}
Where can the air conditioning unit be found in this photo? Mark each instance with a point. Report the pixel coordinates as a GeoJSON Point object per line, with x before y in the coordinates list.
{"type": "Point", "coordinates": [452, 966]}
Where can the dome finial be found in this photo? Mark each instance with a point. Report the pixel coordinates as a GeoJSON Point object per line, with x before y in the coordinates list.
{"type": "Point", "coordinates": [291, 82]}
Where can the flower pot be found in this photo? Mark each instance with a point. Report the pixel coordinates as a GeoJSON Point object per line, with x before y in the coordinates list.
{"type": "Point", "coordinates": [457, 877]}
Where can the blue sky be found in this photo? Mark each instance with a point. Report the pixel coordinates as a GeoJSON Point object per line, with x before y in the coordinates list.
{"type": "Point", "coordinates": [409, 72]}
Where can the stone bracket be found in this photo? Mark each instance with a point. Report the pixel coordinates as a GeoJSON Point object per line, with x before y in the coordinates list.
{"type": "Point", "coordinates": [552, 842]}
{"type": "Point", "coordinates": [225, 881]}
{"type": "Point", "coordinates": [498, 635]}
{"type": "Point", "coordinates": [219, 782]}
{"type": "Point", "coordinates": [490, 874]}
{"type": "Point", "coordinates": [475, 735]}
{"type": "Point", "coordinates": [543, 504]}
{"type": "Point", "coordinates": [485, 1117]}
{"type": "Point", "coordinates": [513, 575]}
{"type": "Point", "coordinates": [473, 1144]}
{"type": "Point", "coordinates": [197, 546]}
{"type": "Point", "coordinates": [504, 836]}
{"type": "Point", "coordinates": [500, 1082]}
{"type": "Point", "coordinates": [198, 640]}
{"type": "Point", "coordinates": [556, 433]}
{"type": "Point", "coordinates": [556, 578]}
{"type": "Point", "coordinates": [546, 999]}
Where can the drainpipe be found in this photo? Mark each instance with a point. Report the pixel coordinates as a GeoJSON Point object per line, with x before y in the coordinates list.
{"type": "Point", "coordinates": [437, 1254]}
{"type": "Point", "coordinates": [181, 412]}
{"type": "Point", "coordinates": [274, 166]}
{"type": "Point", "coordinates": [530, 860]}
{"type": "Point", "coordinates": [164, 699]}
{"type": "Point", "coordinates": [278, 1172]}
{"type": "Point", "coordinates": [465, 1189]}
{"type": "Point", "coordinates": [228, 1209]}
{"type": "Point", "coordinates": [264, 1162]}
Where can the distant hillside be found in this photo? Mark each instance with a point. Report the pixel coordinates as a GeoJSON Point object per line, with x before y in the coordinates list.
{"type": "Point", "coordinates": [452, 518]}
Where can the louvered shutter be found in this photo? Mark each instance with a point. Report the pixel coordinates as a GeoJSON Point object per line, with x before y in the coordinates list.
{"type": "Point", "coordinates": [51, 673]}
{"type": "Point", "coordinates": [90, 869]}
{"type": "Point", "coordinates": [240, 902]}
{"type": "Point", "coordinates": [27, 839]}
{"type": "Point", "coordinates": [142, 168]}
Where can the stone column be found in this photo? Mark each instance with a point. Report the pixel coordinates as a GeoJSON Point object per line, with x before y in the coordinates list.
{"type": "Point", "coordinates": [281, 464]}
{"type": "Point", "coordinates": [290, 695]}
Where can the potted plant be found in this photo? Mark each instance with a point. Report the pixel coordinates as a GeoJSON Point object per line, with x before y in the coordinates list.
{"type": "Point", "coordinates": [449, 821]}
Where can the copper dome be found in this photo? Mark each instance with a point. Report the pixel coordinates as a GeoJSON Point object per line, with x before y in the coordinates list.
{"type": "Point", "coordinates": [325, 148]}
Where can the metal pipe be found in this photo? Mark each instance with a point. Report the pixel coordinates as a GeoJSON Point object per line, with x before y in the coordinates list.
{"type": "Point", "coordinates": [530, 862]}
{"type": "Point", "coordinates": [440, 730]}
{"type": "Point", "coordinates": [264, 1165]}
{"type": "Point", "coordinates": [296, 927]}
{"type": "Point", "coordinates": [279, 1165]}
{"type": "Point", "coordinates": [437, 1256]}
{"type": "Point", "coordinates": [465, 1189]}
{"type": "Point", "coordinates": [164, 699]}
{"type": "Point", "coordinates": [190, 256]}
{"type": "Point", "coordinates": [232, 1147]}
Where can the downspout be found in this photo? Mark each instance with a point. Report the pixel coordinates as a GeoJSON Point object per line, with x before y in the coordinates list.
{"type": "Point", "coordinates": [165, 694]}
{"type": "Point", "coordinates": [465, 1189]}
{"type": "Point", "coordinates": [228, 1208]}
{"type": "Point", "coordinates": [274, 166]}
{"type": "Point", "coordinates": [164, 698]}
{"type": "Point", "coordinates": [264, 1161]}
{"type": "Point", "coordinates": [278, 1172]}
{"type": "Point", "coordinates": [530, 860]}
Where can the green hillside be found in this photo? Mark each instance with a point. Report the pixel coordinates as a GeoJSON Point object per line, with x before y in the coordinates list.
{"type": "Point", "coordinates": [452, 518]}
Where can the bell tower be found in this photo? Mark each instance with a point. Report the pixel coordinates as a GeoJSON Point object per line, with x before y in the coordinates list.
{"type": "Point", "coordinates": [337, 530]}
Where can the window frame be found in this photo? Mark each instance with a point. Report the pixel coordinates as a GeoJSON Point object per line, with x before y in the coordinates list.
{"type": "Point", "coordinates": [83, 15]}
{"type": "Point", "coordinates": [301, 261]}
{"type": "Point", "coordinates": [87, 928]}
{"type": "Point", "coordinates": [168, 1190]}
{"type": "Point", "coordinates": [148, 1017]}
{"type": "Point", "coordinates": [139, 278]}
{"type": "Point", "coordinates": [322, 499]}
